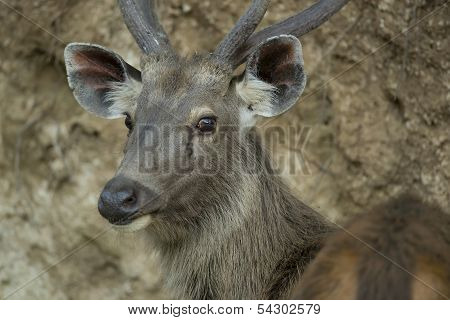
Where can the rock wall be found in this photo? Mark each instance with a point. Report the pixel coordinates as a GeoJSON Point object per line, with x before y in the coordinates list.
{"type": "Point", "coordinates": [377, 105]}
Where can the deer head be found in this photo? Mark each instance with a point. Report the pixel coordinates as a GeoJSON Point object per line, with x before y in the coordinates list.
{"type": "Point", "coordinates": [188, 106]}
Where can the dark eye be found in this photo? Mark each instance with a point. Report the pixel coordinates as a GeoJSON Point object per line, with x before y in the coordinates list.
{"type": "Point", "coordinates": [206, 125]}
{"type": "Point", "coordinates": [128, 122]}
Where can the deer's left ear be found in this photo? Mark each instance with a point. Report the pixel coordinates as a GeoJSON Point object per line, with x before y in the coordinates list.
{"type": "Point", "coordinates": [101, 81]}
{"type": "Point", "coordinates": [274, 77]}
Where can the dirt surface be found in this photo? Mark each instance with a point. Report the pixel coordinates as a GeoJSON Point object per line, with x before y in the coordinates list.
{"type": "Point", "coordinates": [377, 106]}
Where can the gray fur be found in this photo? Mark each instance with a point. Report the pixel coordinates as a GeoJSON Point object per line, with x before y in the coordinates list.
{"type": "Point", "coordinates": [231, 233]}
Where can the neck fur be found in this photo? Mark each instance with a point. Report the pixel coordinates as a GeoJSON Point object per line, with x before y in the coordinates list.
{"type": "Point", "coordinates": [253, 243]}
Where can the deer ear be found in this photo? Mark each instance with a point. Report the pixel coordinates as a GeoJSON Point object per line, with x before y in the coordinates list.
{"type": "Point", "coordinates": [274, 77]}
{"type": "Point", "coordinates": [101, 81]}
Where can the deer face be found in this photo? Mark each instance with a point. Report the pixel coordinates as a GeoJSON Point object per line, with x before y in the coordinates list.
{"type": "Point", "coordinates": [183, 115]}
{"type": "Point", "coordinates": [179, 113]}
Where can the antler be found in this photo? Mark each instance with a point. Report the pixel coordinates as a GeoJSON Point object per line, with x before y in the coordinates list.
{"type": "Point", "coordinates": [242, 30]}
{"type": "Point", "coordinates": [142, 21]}
{"type": "Point", "coordinates": [296, 25]}
{"type": "Point", "coordinates": [143, 24]}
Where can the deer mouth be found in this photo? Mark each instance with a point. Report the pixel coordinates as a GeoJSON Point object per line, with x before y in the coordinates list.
{"type": "Point", "coordinates": [134, 216]}
{"type": "Point", "coordinates": [135, 224]}
{"type": "Point", "coordinates": [136, 221]}
{"type": "Point", "coordinates": [127, 220]}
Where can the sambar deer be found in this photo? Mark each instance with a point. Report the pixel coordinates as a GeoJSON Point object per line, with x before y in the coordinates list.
{"type": "Point", "coordinates": [237, 233]}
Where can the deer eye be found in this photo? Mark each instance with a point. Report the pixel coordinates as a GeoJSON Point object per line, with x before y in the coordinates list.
{"type": "Point", "coordinates": [206, 125]}
{"type": "Point", "coordinates": [128, 121]}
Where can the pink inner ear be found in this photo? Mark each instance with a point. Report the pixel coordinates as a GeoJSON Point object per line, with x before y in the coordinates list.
{"type": "Point", "coordinates": [284, 74]}
{"type": "Point", "coordinates": [276, 62]}
{"type": "Point", "coordinates": [98, 68]}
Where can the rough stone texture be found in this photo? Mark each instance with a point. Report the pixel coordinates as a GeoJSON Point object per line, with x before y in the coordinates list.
{"type": "Point", "coordinates": [377, 105]}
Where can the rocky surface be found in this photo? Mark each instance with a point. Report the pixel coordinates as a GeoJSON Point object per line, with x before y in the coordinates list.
{"type": "Point", "coordinates": [377, 107]}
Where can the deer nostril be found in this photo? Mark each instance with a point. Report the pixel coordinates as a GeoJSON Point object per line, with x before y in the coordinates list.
{"type": "Point", "coordinates": [130, 200]}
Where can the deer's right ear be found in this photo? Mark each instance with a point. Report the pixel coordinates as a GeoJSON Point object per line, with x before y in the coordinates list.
{"type": "Point", "coordinates": [274, 77]}
{"type": "Point", "coordinates": [101, 81]}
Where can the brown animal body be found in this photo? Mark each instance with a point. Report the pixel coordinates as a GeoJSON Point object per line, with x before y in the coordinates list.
{"type": "Point", "coordinates": [400, 250]}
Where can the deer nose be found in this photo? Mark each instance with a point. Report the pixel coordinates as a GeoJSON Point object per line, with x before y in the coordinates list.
{"type": "Point", "coordinates": [119, 200]}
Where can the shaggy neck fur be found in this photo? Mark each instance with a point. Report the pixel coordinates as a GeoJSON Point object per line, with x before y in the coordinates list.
{"type": "Point", "coordinates": [253, 242]}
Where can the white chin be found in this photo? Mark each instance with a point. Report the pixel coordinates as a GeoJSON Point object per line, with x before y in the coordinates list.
{"type": "Point", "coordinates": [136, 225]}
